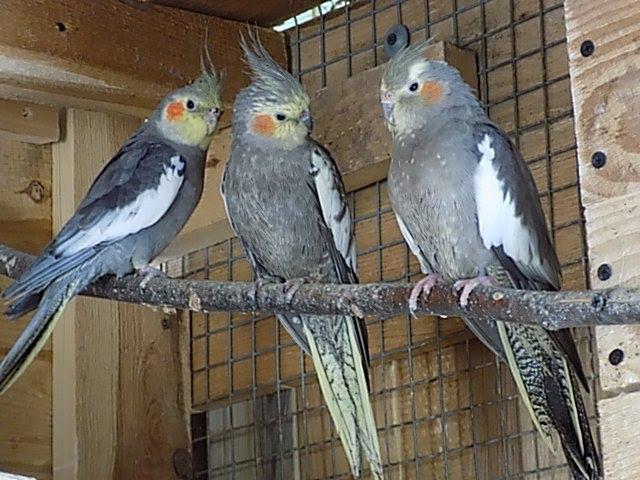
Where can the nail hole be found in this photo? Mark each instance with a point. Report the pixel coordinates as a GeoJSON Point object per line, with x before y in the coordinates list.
{"type": "Point", "coordinates": [61, 27]}
{"type": "Point", "coordinates": [616, 356]}
{"type": "Point", "coordinates": [27, 112]}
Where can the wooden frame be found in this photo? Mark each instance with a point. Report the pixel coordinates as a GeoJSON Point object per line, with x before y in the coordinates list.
{"type": "Point", "coordinates": [605, 74]}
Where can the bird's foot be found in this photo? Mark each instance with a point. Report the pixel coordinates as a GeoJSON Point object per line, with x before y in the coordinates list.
{"type": "Point", "coordinates": [261, 282]}
{"type": "Point", "coordinates": [467, 286]}
{"type": "Point", "coordinates": [148, 273]}
{"type": "Point", "coordinates": [292, 286]}
{"type": "Point", "coordinates": [422, 287]}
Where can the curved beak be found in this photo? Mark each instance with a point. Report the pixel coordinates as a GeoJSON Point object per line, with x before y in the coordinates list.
{"type": "Point", "coordinates": [305, 118]}
{"type": "Point", "coordinates": [387, 109]}
{"type": "Point", "coordinates": [211, 117]}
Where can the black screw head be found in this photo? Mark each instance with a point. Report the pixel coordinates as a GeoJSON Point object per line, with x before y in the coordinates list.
{"type": "Point", "coordinates": [604, 272]}
{"type": "Point", "coordinates": [616, 356]}
{"type": "Point", "coordinates": [599, 159]}
{"type": "Point", "coordinates": [587, 48]}
{"type": "Point", "coordinates": [396, 39]}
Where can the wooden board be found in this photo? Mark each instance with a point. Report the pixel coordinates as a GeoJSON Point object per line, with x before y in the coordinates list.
{"type": "Point", "coordinates": [29, 122]}
{"type": "Point", "coordinates": [264, 12]}
{"type": "Point", "coordinates": [116, 371]}
{"type": "Point", "coordinates": [360, 143]}
{"type": "Point", "coordinates": [607, 107]}
{"type": "Point", "coordinates": [25, 223]}
{"type": "Point", "coordinates": [57, 53]}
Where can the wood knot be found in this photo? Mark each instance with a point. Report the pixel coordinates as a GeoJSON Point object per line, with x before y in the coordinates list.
{"type": "Point", "coordinates": [35, 190]}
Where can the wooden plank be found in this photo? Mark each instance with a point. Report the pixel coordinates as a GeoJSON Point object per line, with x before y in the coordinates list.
{"type": "Point", "coordinates": [25, 223]}
{"type": "Point", "coordinates": [57, 53]}
{"type": "Point", "coordinates": [29, 122]}
{"type": "Point", "coordinates": [264, 12]}
{"type": "Point", "coordinates": [620, 414]}
{"type": "Point", "coordinates": [360, 142]}
{"type": "Point", "coordinates": [110, 374]}
{"type": "Point", "coordinates": [605, 95]}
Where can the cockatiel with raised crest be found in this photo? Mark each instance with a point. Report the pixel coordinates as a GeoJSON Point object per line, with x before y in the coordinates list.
{"type": "Point", "coordinates": [285, 200]}
{"type": "Point", "coordinates": [467, 206]}
{"type": "Point", "coordinates": [136, 206]}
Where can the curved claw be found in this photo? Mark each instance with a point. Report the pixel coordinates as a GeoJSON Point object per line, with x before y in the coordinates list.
{"type": "Point", "coordinates": [292, 286]}
{"type": "Point", "coordinates": [261, 282]}
{"type": "Point", "coordinates": [467, 286]}
{"type": "Point", "coordinates": [422, 287]}
{"type": "Point", "coordinates": [148, 273]}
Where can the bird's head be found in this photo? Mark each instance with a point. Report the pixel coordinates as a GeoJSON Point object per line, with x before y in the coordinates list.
{"type": "Point", "coordinates": [189, 116]}
{"type": "Point", "coordinates": [274, 108]}
{"type": "Point", "coordinates": [416, 92]}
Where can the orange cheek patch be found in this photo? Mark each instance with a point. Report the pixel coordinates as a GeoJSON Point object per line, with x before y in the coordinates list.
{"type": "Point", "coordinates": [432, 91]}
{"type": "Point", "coordinates": [174, 111]}
{"type": "Point", "coordinates": [263, 125]}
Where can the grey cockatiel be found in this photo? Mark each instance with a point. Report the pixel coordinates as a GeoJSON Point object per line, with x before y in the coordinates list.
{"type": "Point", "coordinates": [467, 206]}
{"type": "Point", "coordinates": [135, 207]}
{"type": "Point", "coordinates": [285, 200]}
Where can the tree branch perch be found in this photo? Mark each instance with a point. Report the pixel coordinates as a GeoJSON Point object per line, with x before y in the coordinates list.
{"type": "Point", "coordinates": [552, 310]}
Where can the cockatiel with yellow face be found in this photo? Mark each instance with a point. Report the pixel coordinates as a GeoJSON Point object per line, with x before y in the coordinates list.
{"type": "Point", "coordinates": [286, 202]}
{"type": "Point", "coordinates": [135, 207]}
{"type": "Point", "coordinates": [467, 205]}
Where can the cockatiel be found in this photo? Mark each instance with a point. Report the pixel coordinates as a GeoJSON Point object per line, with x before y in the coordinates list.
{"type": "Point", "coordinates": [467, 206]}
{"type": "Point", "coordinates": [286, 202]}
{"type": "Point", "coordinates": [135, 207]}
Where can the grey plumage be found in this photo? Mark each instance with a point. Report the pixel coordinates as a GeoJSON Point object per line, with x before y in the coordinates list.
{"type": "Point", "coordinates": [285, 200]}
{"type": "Point", "coordinates": [468, 207]}
{"type": "Point", "coordinates": [134, 208]}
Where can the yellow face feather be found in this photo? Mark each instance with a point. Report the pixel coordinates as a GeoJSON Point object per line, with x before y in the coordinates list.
{"type": "Point", "coordinates": [282, 122]}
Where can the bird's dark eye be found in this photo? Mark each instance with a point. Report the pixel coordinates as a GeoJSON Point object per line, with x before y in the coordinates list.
{"type": "Point", "coordinates": [190, 105]}
{"type": "Point", "coordinates": [281, 116]}
{"type": "Point", "coordinates": [413, 87]}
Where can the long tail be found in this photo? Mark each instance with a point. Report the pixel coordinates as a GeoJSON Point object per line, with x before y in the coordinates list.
{"type": "Point", "coordinates": [340, 367]}
{"type": "Point", "coordinates": [550, 390]}
{"type": "Point", "coordinates": [39, 328]}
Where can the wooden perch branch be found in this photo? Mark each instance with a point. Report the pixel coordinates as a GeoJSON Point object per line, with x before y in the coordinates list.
{"type": "Point", "coordinates": [552, 310]}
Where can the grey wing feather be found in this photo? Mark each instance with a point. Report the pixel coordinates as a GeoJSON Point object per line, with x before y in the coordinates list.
{"type": "Point", "coordinates": [338, 228]}
{"type": "Point", "coordinates": [519, 238]}
{"type": "Point", "coordinates": [509, 213]}
{"type": "Point", "coordinates": [137, 168]}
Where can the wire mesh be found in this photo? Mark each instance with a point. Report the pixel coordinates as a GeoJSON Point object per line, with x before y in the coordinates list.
{"type": "Point", "coordinates": [445, 408]}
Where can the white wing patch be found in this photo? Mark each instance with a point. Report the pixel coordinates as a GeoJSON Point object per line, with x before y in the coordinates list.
{"type": "Point", "coordinates": [497, 219]}
{"type": "Point", "coordinates": [413, 246]}
{"type": "Point", "coordinates": [149, 207]}
{"type": "Point", "coordinates": [335, 212]}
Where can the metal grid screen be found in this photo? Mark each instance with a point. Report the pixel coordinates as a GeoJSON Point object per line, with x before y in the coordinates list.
{"type": "Point", "coordinates": [444, 407]}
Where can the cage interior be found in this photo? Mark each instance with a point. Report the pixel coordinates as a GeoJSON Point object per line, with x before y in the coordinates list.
{"type": "Point", "coordinates": [445, 408]}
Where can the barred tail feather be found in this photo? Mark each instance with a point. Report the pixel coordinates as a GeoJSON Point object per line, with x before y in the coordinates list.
{"type": "Point", "coordinates": [550, 390]}
{"type": "Point", "coordinates": [340, 368]}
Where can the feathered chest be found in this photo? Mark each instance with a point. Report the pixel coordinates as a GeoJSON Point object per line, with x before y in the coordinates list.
{"type": "Point", "coordinates": [431, 190]}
